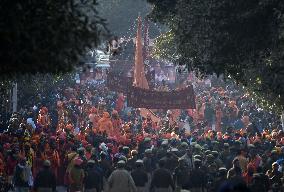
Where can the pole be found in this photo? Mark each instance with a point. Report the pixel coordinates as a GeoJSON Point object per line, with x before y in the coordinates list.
{"type": "Point", "coordinates": [282, 119]}
{"type": "Point", "coordinates": [15, 97]}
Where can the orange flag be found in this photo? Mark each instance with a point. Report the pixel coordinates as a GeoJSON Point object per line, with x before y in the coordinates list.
{"type": "Point", "coordinates": [139, 71]}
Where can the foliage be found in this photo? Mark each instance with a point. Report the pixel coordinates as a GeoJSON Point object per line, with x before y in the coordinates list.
{"type": "Point", "coordinates": [40, 88]}
{"type": "Point", "coordinates": [165, 47]}
{"type": "Point", "coordinates": [241, 39]}
{"type": "Point", "coordinates": [5, 95]}
{"type": "Point", "coordinates": [46, 36]}
{"type": "Point", "coordinates": [163, 10]}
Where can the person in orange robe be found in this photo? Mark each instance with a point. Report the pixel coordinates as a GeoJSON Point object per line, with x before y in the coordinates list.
{"type": "Point", "coordinates": [94, 118]}
{"type": "Point", "coordinates": [219, 115]}
{"type": "Point", "coordinates": [116, 122]}
{"type": "Point", "coordinates": [69, 126]}
{"type": "Point", "coordinates": [148, 124]}
{"type": "Point", "coordinates": [82, 134]}
{"type": "Point", "coordinates": [43, 119]}
{"type": "Point", "coordinates": [201, 111]}
{"type": "Point", "coordinates": [53, 156]}
{"type": "Point", "coordinates": [248, 175]}
{"type": "Point", "coordinates": [2, 164]}
{"type": "Point", "coordinates": [60, 125]}
{"type": "Point", "coordinates": [38, 161]}
{"type": "Point", "coordinates": [105, 124]}
{"type": "Point", "coordinates": [62, 151]}
{"type": "Point", "coordinates": [2, 167]}
{"type": "Point", "coordinates": [119, 103]}
{"type": "Point", "coordinates": [60, 112]}
{"type": "Point", "coordinates": [234, 109]}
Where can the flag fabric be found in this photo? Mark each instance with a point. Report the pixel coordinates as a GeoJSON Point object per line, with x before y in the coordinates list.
{"type": "Point", "coordinates": [139, 71]}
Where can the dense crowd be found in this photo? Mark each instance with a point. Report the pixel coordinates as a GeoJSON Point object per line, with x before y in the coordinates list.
{"type": "Point", "coordinates": [94, 142]}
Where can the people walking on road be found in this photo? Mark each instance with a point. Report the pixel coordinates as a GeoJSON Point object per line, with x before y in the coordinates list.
{"type": "Point", "coordinates": [121, 179]}
{"type": "Point", "coordinates": [93, 179]}
{"type": "Point", "coordinates": [140, 176]}
{"type": "Point", "coordinates": [45, 180]}
{"type": "Point", "coordinates": [22, 179]}
{"type": "Point", "coordinates": [76, 176]}
{"type": "Point", "coordinates": [162, 180]}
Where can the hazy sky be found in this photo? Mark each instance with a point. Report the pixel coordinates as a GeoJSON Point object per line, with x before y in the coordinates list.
{"type": "Point", "coordinates": [121, 16]}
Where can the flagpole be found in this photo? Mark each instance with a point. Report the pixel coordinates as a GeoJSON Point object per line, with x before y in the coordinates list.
{"type": "Point", "coordinates": [14, 97]}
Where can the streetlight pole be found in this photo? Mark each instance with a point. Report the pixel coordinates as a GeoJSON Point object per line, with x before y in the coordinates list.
{"type": "Point", "coordinates": [14, 97]}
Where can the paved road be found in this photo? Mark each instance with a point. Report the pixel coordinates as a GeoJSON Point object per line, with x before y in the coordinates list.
{"type": "Point", "coordinates": [59, 189]}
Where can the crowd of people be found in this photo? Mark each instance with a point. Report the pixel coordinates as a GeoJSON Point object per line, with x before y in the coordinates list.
{"type": "Point", "coordinates": [94, 142]}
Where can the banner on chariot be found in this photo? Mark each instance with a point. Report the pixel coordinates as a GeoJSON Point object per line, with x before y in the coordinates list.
{"type": "Point", "coordinates": [152, 99]}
